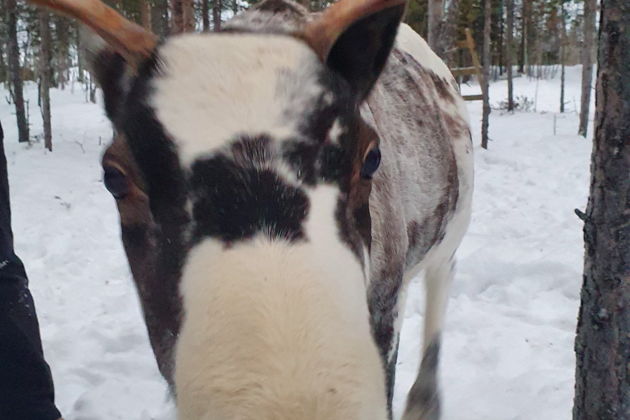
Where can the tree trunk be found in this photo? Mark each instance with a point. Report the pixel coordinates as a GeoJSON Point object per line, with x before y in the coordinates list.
{"type": "Point", "coordinates": [183, 16]}
{"type": "Point", "coordinates": [3, 66]}
{"type": "Point", "coordinates": [602, 346]}
{"type": "Point", "coordinates": [524, 22]}
{"type": "Point", "coordinates": [45, 74]}
{"type": "Point", "coordinates": [509, 43]}
{"type": "Point", "coordinates": [450, 33]}
{"type": "Point", "coordinates": [177, 17]}
{"type": "Point", "coordinates": [216, 15]}
{"type": "Point", "coordinates": [80, 55]}
{"type": "Point", "coordinates": [159, 17]}
{"type": "Point", "coordinates": [205, 15]}
{"type": "Point", "coordinates": [4, 71]}
{"type": "Point", "coordinates": [563, 47]}
{"type": "Point", "coordinates": [188, 7]}
{"type": "Point", "coordinates": [590, 11]}
{"type": "Point", "coordinates": [562, 80]}
{"type": "Point", "coordinates": [145, 14]}
{"type": "Point", "coordinates": [501, 46]}
{"type": "Point", "coordinates": [62, 44]}
{"type": "Point", "coordinates": [13, 57]}
{"type": "Point", "coordinates": [435, 25]}
{"type": "Point", "coordinates": [485, 83]}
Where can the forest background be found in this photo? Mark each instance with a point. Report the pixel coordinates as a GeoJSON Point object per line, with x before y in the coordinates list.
{"type": "Point", "coordinates": [533, 38]}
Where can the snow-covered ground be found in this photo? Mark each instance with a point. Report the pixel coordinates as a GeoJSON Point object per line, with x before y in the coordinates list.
{"type": "Point", "coordinates": [508, 343]}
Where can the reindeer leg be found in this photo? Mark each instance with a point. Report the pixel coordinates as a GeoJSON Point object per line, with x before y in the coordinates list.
{"type": "Point", "coordinates": [423, 401]}
{"type": "Point", "coordinates": [386, 303]}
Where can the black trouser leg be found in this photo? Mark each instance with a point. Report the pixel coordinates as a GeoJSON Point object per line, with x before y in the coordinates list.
{"type": "Point", "coordinates": [26, 387]}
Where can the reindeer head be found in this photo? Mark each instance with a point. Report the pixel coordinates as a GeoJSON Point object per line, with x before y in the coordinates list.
{"type": "Point", "coordinates": [242, 171]}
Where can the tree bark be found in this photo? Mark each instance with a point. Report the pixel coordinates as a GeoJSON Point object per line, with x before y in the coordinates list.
{"type": "Point", "coordinates": [602, 346]}
{"type": "Point", "coordinates": [590, 11]}
{"type": "Point", "coordinates": [217, 6]}
{"type": "Point", "coordinates": [62, 44]}
{"type": "Point", "coordinates": [159, 17]}
{"type": "Point", "coordinates": [524, 22]}
{"type": "Point", "coordinates": [145, 14]}
{"type": "Point", "coordinates": [485, 83]}
{"type": "Point", "coordinates": [501, 46]}
{"type": "Point", "coordinates": [188, 7]}
{"type": "Point", "coordinates": [435, 25]}
{"type": "Point", "coordinates": [13, 57]}
{"type": "Point", "coordinates": [450, 33]}
{"type": "Point", "coordinates": [563, 47]}
{"type": "Point", "coordinates": [183, 16]}
{"type": "Point", "coordinates": [80, 55]}
{"type": "Point", "coordinates": [509, 53]}
{"type": "Point", "coordinates": [45, 74]}
{"type": "Point", "coordinates": [3, 65]}
{"type": "Point", "coordinates": [205, 15]}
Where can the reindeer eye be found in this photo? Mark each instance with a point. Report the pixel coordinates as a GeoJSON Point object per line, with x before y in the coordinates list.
{"type": "Point", "coordinates": [116, 182]}
{"type": "Point", "coordinates": [370, 163]}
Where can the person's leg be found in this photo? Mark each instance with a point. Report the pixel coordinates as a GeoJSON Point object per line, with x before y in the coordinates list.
{"type": "Point", "coordinates": [26, 387]}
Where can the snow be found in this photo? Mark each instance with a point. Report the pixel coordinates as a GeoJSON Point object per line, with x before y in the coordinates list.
{"type": "Point", "coordinates": [508, 342]}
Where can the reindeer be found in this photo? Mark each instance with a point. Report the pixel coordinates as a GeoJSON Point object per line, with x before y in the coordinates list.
{"type": "Point", "coordinates": [278, 185]}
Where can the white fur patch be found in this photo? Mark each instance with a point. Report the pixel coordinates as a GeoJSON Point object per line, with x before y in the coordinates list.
{"type": "Point", "coordinates": [278, 331]}
{"type": "Point", "coordinates": [408, 40]}
{"type": "Point", "coordinates": [335, 132]}
{"type": "Point", "coordinates": [219, 86]}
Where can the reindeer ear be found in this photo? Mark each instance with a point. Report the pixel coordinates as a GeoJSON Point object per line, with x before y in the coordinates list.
{"type": "Point", "coordinates": [354, 38]}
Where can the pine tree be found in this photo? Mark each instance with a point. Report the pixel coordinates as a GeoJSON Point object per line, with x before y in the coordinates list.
{"type": "Point", "coordinates": [602, 389]}
{"type": "Point", "coordinates": [486, 72]}
{"type": "Point", "coordinates": [590, 10]}
{"type": "Point", "coordinates": [15, 70]}
{"type": "Point", "coordinates": [509, 43]}
{"type": "Point", "coordinates": [45, 74]}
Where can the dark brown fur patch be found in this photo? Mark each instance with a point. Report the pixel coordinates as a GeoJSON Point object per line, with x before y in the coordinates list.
{"type": "Point", "coordinates": [154, 263]}
{"type": "Point", "coordinates": [443, 88]}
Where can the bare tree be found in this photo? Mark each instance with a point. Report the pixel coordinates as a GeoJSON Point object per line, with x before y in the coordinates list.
{"type": "Point", "coordinates": [3, 65]}
{"type": "Point", "coordinates": [205, 15]}
{"type": "Point", "coordinates": [159, 17]}
{"type": "Point", "coordinates": [509, 44]}
{"type": "Point", "coordinates": [188, 6]}
{"type": "Point", "coordinates": [13, 57]}
{"type": "Point", "coordinates": [602, 346]}
{"type": "Point", "coordinates": [217, 5]}
{"type": "Point", "coordinates": [450, 32]}
{"type": "Point", "coordinates": [524, 24]}
{"type": "Point", "coordinates": [62, 48]}
{"type": "Point", "coordinates": [145, 13]}
{"type": "Point", "coordinates": [183, 16]}
{"type": "Point", "coordinates": [45, 74]}
{"type": "Point", "coordinates": [485, 87]}
{"type": "Point", "coordinates": [435, 16]}
{"type": "Point", "coordinates": [590, 10]}
{"type": "Point", "coordinates": [563, 47]}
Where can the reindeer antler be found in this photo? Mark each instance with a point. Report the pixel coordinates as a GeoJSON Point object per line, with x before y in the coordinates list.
{"type": "Point", "coordinates": [322, 33]}
{"type": "Point", "coordinates": [129, 39]}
